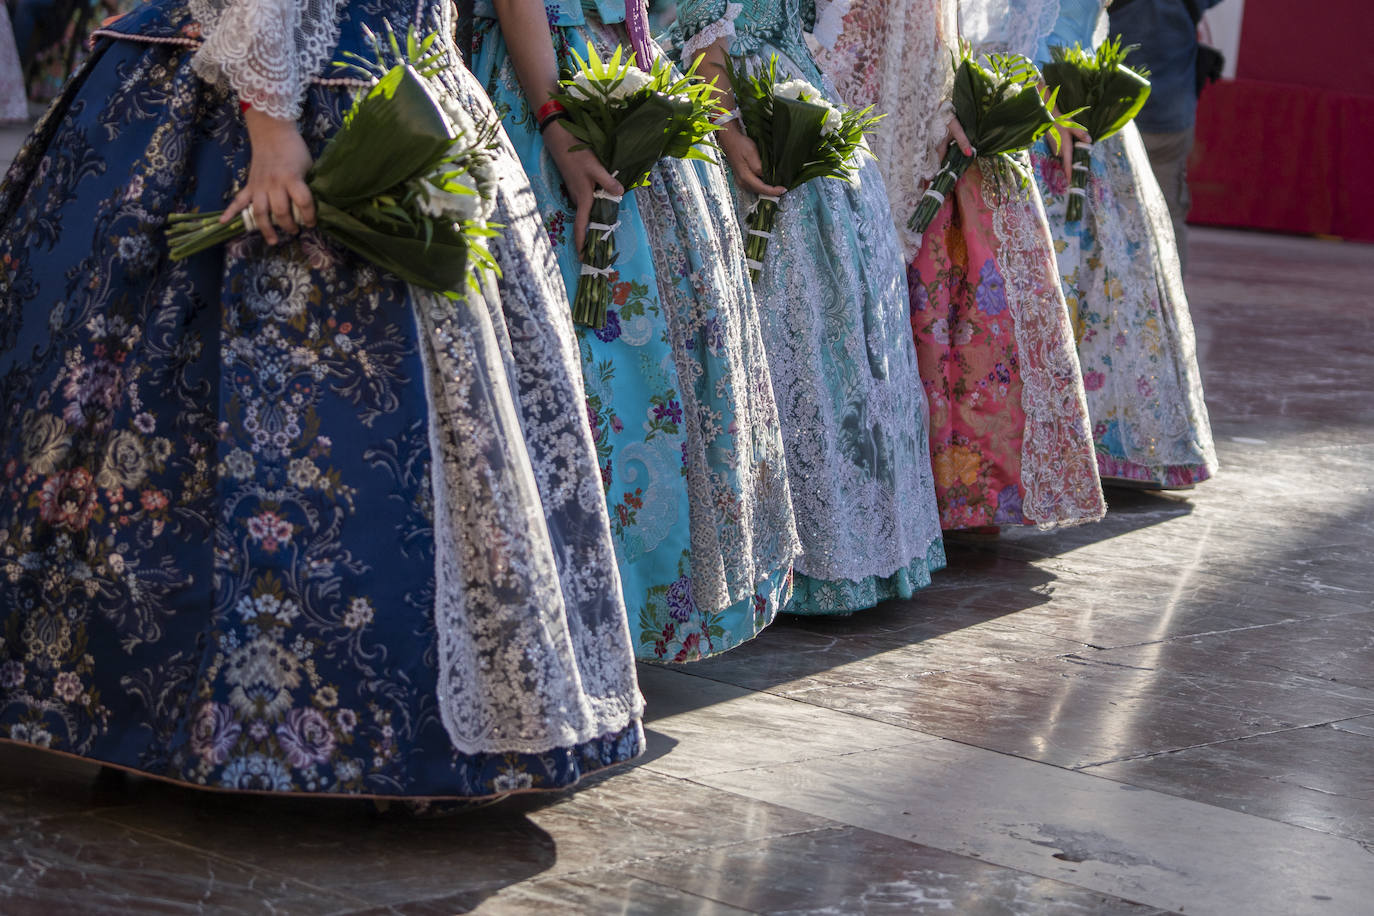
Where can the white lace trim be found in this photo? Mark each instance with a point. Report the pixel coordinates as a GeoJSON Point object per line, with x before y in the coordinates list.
{"type": "Point", "coordinates": [534, 645]}
{"type": "Point", "coordinates": [724, 27]}
{"type": "Point", "coordinates": [267, 51]}
{"type": "Point", "coordinates": [509, 678]}
{"type": "Point", "coordinates": [742, 524]}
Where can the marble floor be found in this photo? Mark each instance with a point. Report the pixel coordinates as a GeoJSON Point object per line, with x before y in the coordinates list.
{"type": "Point", "coordinates": [1170, 711]}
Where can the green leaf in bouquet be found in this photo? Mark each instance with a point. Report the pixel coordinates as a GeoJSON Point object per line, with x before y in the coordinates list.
{"type": "Point", "coordinates": [800, 137]}
{"type": "Point", "coordinates": [968, 89]}
{"type": "Point", "coordinates": [791, 134]}
{"type": "Point", "coordinates": [630, 119]}
{"type": "Point", "coordinates": [999, 103]}
{"type": "Point", "coordinates": [425, 54]}
{"type": "Point", "coordinates": [668, 113]}
{"type": "Point", "coordinates": [840, 149]}
{"type": "Point", "coordinates": [392, 133]}
{"type": "Point", "coordinates": [796, 132]}
{"type": "Point", "coordinates": [1107, 92]}
{"type": "Point", "coordinates": [639, 140]}
{"type": "Point", "coordinates": [1014, 124]}
{"type": "Point", "coordinates": [439, 262]}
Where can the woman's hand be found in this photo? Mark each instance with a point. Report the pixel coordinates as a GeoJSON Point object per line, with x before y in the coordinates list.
{"type": "Point", "coordinates": [531, 51]}
{"type": "Point", "coordinates": [741, 153]}
{"type": "Point", "coordinates": [582, 172]}
{"type": "Point", "coordinates": [743, 156]}
{"type": "Point", "coordinates": [954, 133]}
{"type": "Point", "coordinates": [1066, 139]}
{"type": "Point", "coordinates": [276, 178]}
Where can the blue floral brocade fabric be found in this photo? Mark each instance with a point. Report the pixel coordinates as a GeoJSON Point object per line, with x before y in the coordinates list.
{"type": "Point", "coordinates": [217, 555]}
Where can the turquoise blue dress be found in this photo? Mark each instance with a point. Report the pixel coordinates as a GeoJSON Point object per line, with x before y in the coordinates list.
{"type": "Point", "coordinates": [1122, 280]}
{"type": "Point", "coordinates": [834, 304]}
{"type": "Point", "coordinates": [677, 386]}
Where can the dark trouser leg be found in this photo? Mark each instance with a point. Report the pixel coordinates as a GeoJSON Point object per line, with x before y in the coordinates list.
{"type": "Point", "coordinates": [1169, 158]}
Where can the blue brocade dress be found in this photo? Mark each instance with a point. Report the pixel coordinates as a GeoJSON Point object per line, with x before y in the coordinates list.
{"type": "Point", "coordinates": [1124, 287]}
{"type": "Point", "coordinates": [270, 519]}
{"type": "Point", "coordinates": [678, 392]}
{"type": "Point", "coordinates": [833, 301]}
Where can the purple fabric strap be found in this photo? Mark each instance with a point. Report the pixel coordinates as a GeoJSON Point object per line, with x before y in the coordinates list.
{"type": "Point", "coordinates": [637, 24]}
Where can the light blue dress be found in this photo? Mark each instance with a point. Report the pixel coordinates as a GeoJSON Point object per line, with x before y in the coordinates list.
{"type": "Point", "coordinates": [677, 384]}
{"type": "Point", "coordinates": [1124, 288]}
{"type": "Point", "coordinates": [834, 305]}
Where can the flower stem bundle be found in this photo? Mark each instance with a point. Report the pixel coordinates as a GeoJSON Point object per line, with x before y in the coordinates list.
{"type": "Point", "coordinates": [1107, 92]}
{"type": "Point", "coordinates": [1000, 106]}
{"type": "Point", "coordinates": [630, 119]}
{"type": "Point", "coordinates": [405, 183]}
{"type": "Point", "coordinates": [800, 136]}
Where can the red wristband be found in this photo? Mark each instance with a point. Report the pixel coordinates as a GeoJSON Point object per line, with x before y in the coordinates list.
{"type": "Point", "coordinates": [244, 106]}
{"type": "Point", "coordinates": [548, 108]}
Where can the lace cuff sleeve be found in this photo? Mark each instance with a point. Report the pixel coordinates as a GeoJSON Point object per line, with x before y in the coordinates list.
{"type": "Point", "coordinates": [267, 51]}
{"type": "Point", "coordinates": [708, 34]}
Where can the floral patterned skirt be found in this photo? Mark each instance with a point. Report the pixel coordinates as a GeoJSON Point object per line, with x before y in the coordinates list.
{"type": "Point", "coordinates": [1124, 288]}
{"type": "Point", "coordinates": [833, 298]}
{"type": "Point", "coordinates": [217, 523]}
{"type": "Point", "coordinates": [678, 392]}
{"type": "Point", "coordinates": [1009, 435]}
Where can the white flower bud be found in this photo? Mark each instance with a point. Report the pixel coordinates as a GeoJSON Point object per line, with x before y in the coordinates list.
{"type": "Point", "coordinates": [435, 201]}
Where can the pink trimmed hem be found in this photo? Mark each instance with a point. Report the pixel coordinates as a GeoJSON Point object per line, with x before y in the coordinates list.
{"type": "Point", "coordinates": [1176, 476]}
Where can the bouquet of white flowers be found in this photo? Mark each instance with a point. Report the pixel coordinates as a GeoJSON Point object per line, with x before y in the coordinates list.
{"type": "Point", "coordinates": [800, 136]}
{"type": "Point", "coordinates": [406, 182]}
{"type": "Point", "coordinates": [630, 119]}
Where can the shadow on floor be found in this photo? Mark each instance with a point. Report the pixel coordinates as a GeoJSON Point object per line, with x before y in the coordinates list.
{"type": "Point", "coordinates": [342, 848]}
{"type": "Point", "coordinates": [987, 580]}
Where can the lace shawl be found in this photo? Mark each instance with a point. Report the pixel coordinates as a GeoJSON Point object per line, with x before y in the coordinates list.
{"type": "Point", "coordinates": [534, 642]}
{"type": "Point", "coordinates": [267, 51]}
{"type": "Point", "coordinates": [894, 55]}
{"type": "Point", "coordinates": [1015, 26]}
{"type": "Point", "coordinates": [1058, 460]}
